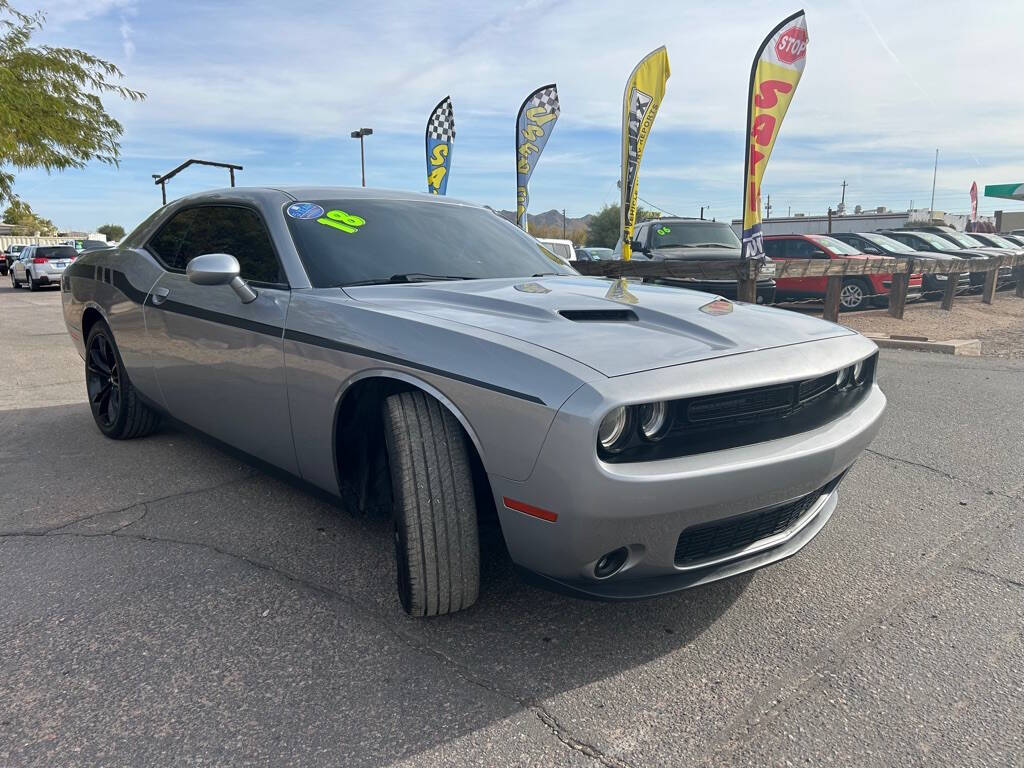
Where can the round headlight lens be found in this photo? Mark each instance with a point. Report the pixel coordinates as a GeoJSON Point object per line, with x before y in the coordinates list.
{"type": "Point", "coordinates": [652, 420]}
{"type": "Point", "coordinates": [858, 372]}
{"type": "Point", "coordinates": [612, 428]}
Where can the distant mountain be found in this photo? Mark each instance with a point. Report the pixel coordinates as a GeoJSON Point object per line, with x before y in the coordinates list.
{"type": "Point", "coordinates": [549, 219]}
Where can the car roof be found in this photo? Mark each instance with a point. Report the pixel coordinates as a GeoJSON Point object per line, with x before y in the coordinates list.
{"type": "Point", "coordinates": [322, 193]}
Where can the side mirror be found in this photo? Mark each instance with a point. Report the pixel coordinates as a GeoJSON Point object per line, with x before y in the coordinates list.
{"type": "Point", "coordinates": [219, 269]}
{"type": "Point", "coordinates": [636, 245]}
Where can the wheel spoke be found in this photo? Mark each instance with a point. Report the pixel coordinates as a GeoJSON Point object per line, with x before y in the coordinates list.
{"type": "Point", "coordinates": [97, 359]}
{"type": "Point", "coordinates": [98, 397]}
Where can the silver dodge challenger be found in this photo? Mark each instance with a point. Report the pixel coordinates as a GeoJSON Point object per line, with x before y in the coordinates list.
{"type": "Point", "coordinates": [422, 355]}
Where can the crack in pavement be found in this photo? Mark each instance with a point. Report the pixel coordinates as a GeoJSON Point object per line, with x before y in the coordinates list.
{"type": "Point", "coordinates": [943, 473]}
{"type": "Point", "coordinates": [996, 576]}
{"type": "Point", "coordinates": [179, 494]}
{"type": "Point", "coordinates": [543, 715]}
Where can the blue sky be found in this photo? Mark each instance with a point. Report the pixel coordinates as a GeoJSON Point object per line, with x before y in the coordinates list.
{"type": "Point", "coordinates": [277, 87]}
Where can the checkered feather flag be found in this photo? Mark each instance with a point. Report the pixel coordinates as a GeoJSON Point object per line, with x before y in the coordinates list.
{"type": "Point", "coordinates": [441, 125]}
{"type": "Point", "coordinates": [546, 97]}
{"type": "Point", "coordinates": [534, 123]}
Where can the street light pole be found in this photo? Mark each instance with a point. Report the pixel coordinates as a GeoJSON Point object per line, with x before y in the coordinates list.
{"type": "Point", "coordinates": [935, 173]}
{"type": "Point", "coordinates": [362, 157]}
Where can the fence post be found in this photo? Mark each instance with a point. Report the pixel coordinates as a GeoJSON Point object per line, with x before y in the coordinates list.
{"type": "Point", "coordinates": [898, 291]}
{"type": "Point", "coordinates": [746, 281]}
{"type": "Point", "coordinates": [832, 289]}
{"type": "Point", "coordinates": [952, 280]}
{"type": "Point", "coordinates": [991, 277]}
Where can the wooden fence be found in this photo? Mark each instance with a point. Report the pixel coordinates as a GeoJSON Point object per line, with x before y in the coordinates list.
{"type": "Point", "coordinates": [746, 273]}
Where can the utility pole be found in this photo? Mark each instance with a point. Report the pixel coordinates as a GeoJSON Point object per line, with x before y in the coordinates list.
{"type": "Point", "coordinates": [935, 173]}
{"type": "Point", "coordinates": [830, 212]}
{"type": "Point", "coordinates": [768, 208]}
{"type": "Point", "coordinates": [563, 223]}
{"type": "Point", "coordinates": [842, 202]}
{"type": "Point", "coordinates": [702, 212]}
{"type": "Point", "coordinates": [789, 211]}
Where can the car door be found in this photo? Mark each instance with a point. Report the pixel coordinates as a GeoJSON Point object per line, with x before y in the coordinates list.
{"type": "Point", "coordinates": [219, 362]}
{"type": "Point", "coordinates": [23, 259]}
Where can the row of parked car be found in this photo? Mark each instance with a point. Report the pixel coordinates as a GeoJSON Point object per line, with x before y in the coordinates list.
{"type": "Point", "coordinates": [38, 266]}
{"type": "Point", "coordinates": [701, 240]}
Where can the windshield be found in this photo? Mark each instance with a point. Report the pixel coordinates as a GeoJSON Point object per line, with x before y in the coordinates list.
{"type": "Point", "coordinates": [342, 242]}
{"type": "Point", "coordinates": [939, 242]}
{"type": "Point", "coordinates": [1002, 242]}
{"type": "Point", "coordinates": [965, 241]}
{"type": "Point", "coordinates": [692, 234]}
{"type": "Point", "coordinates": [56, 252]}
{"type": "Point", "coordinates": [834, 245]}
{"type": "Point", "coordinates": [887, 243]}
{"type": "Point", "coordinates": [600, 253]}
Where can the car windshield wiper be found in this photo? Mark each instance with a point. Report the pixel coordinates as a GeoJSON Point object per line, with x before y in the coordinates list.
{"type": "Point", "coordinates": [405, 277]}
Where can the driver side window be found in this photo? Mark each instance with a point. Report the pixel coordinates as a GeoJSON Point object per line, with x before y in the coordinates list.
{"type": "Point", "coordinates": [219, 229]}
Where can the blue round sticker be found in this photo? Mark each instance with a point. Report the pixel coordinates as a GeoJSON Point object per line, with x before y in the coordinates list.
{"type": "Point", "coordinates": [305, 211]}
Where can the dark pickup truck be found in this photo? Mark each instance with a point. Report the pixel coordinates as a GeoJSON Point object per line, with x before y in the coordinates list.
{"type": "Point", "coordinates": [695, 240]}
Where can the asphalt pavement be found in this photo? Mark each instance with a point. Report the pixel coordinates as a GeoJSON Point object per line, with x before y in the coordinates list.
{"type": "Point", "coordinates": [164, 602]}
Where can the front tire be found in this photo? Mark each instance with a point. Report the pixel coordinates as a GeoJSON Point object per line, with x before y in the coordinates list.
{"type": "Point", "coordinates": [14, 281]}
{"type": "Point", "coordinates": [437, 549]}
{"type": "Point", "coordinates": [115, 404]}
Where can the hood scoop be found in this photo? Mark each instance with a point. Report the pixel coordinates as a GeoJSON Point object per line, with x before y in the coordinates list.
{"type": "Point", "coordinates": [599, 315]}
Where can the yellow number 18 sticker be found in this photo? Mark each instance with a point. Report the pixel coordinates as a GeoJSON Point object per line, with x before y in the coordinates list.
{"type": "Point", "coordinates": [346, 222]}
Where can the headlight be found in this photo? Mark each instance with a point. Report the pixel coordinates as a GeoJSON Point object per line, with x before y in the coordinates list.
{"type": "Point", "coordinates": [652, 420]}
{"type": "Point", "coordinates": [612, 429]}
{"type": "Point", "coordinates": [858, 372]}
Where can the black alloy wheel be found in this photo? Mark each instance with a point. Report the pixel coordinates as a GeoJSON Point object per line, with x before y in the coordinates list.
{"type": "Point", "coordinates": [103, 381]}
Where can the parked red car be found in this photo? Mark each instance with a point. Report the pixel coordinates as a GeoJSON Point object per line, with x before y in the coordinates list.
{"type": "Point", "coordinates": [857, 293]}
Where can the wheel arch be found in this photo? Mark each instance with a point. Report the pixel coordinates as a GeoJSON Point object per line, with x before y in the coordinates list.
{"type": "Point", "coordinates": [90, 315]}
{"type": "Point", "coordinates": [358, 407]}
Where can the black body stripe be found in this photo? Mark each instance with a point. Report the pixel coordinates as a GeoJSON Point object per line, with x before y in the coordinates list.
{"type": "Point", "coordinates": [120, 281]}
{"type": "Point", "coordinates": [320, 341]}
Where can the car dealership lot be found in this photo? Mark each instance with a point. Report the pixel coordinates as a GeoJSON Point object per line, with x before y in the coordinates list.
{"type": "Point", "coordinates": [164, 601]}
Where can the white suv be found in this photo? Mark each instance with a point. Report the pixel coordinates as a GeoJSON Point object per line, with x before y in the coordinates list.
{"type": "Point", "coordinates": [561, 248]}
{"type": "Point", "coordinates": [40, 265]}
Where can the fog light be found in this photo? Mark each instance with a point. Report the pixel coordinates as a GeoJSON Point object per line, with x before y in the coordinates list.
{"type": "Point", "coordinates": [610, 563]}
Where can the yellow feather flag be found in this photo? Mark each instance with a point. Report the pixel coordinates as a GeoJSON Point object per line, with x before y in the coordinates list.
{"type": "Point", "coordinates": [645, 90]}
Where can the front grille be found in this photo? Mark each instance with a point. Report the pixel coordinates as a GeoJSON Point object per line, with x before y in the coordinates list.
{"type": "Point", "coordinates": [724, 420]}
{"type": "Point", "coordinates": [712, 540]}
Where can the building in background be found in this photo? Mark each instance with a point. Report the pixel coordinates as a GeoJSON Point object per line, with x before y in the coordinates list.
{"type": "Point", "coordinates": [858, 221]}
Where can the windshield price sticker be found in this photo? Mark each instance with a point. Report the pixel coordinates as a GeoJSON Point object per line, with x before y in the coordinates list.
{"type": "Point", "coordinates": [663, 231]}
{"type": "Point", "coordinates": [305, 211]}
{"type": "Point", "coordinates": [342, 220]}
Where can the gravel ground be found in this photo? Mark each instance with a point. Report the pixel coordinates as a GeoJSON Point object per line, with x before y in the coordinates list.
{"type": "Point", "coordinates": [1000, 326]}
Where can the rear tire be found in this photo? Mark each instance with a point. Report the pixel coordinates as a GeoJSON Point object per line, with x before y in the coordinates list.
{"type": "Point", "coordinates": [115, 404]}
{"type": "Point", "coordinates": [437, 549]}
{"type": "Point", "coordinates": [854, 294]}
{"type": "Point", "coordinates": [33, 285]}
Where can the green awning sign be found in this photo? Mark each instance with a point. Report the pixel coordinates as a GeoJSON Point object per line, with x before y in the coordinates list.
{"type": "Point", "coordinates": [1008, 191]}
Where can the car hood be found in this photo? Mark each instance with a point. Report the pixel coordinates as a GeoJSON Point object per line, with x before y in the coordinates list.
{"type": "Point", "coordinates": [696, 254]}
{"type": "Point", "coordinates": [612, 328]}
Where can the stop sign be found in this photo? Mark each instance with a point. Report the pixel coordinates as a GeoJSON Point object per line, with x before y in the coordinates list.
{"type": "Point", "coordinates": [792, 45]}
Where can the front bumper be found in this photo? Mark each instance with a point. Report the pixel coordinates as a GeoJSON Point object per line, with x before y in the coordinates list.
{"type": "Point", "coordinates": [645, 506]}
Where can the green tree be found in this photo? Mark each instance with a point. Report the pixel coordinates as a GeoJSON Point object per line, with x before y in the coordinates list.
{"type": "Point", "coordinates": [603, 229]}
{"type": "Point", "coordinates": [51, 115]}
{"type": "Point", "coordinates": [114, 232]}
{"type": "Point", "coordinates": [25, 220]}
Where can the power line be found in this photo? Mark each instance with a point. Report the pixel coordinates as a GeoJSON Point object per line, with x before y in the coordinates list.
{"type": "Point", "coordinates": [655, 206]}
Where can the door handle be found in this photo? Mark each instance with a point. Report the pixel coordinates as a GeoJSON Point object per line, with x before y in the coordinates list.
{"type": "Point", "coordinates": [160, 295]}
